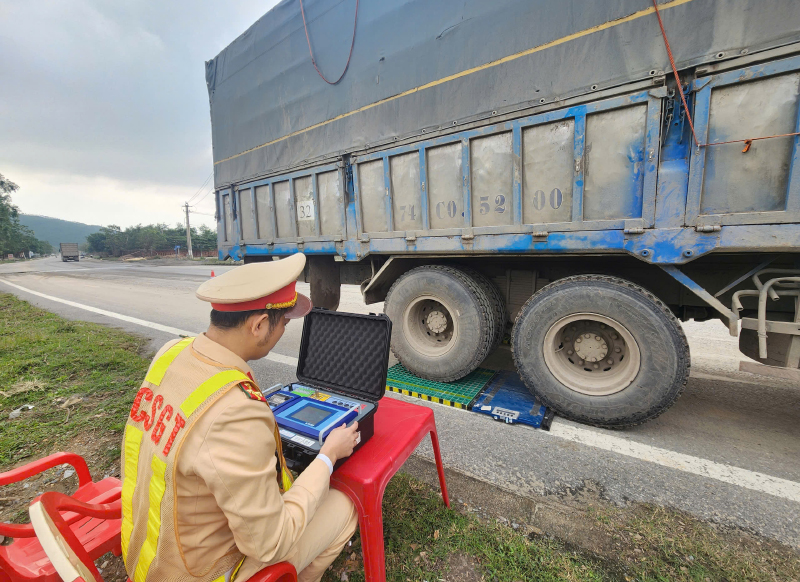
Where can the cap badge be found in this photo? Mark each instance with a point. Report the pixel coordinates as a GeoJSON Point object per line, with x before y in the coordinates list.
{"type": "Point", "coordinates": [283, 305]}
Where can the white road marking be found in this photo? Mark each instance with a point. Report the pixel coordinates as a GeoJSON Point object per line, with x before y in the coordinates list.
{"type": "Point", "coordinates": [703, 376]}
{"type": "Point", "coordinates": [129, 319]}
{"type": "Point", "coordinates": [81, 269]}
{"type": "Point", "coordinates": [279, 358]}
{"type": "Point", "coordinates": [687, 463]}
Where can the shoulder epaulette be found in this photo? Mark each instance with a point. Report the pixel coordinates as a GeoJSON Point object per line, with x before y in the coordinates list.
{"type": "Point", "coordinates": [252, 392]}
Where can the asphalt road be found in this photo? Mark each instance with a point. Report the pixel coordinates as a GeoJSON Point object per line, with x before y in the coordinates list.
{"type": "Point", "coordinates": [728, 451]}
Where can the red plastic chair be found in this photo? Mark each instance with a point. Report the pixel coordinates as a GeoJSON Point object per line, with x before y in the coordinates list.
{"type": "Point", "coordinates": [68, 555]}
{"type": "Point", "coordinates": [24, 559]}
{"type": "Point", "coordinates": [399, 428]}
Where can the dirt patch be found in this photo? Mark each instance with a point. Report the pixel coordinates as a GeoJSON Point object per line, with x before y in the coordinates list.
{"type": "Point", "coordinates": [462, 568]}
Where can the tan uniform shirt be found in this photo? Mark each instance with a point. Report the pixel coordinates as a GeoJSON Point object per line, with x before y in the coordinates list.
{"type": "Point", "coordinates": [226, 485]}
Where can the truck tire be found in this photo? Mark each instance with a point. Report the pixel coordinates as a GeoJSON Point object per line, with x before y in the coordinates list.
{"type": "Point", "coordinates": [601, 350]}
{"type": "Point", "coordinates": [498, 304]}
{"type": "Point", "coordinates": [442, 322]}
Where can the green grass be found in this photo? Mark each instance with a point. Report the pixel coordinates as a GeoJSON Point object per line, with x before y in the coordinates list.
{"type": "Point", "coordinates": [423, 539]}
{"type": "Point", "coordinates": [80, 378]}
{"type": "Point", "coordinates": [658, 545]}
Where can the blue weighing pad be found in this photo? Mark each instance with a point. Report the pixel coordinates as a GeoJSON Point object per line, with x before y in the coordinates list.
{"type": "Point", "coordinates": [506, 398]}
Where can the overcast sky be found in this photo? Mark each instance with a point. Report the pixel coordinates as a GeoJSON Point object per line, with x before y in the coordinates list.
{"type": "Point", "coordinates": [103, 104]}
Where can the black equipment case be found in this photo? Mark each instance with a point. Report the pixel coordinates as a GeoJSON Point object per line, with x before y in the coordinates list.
{"type": "Point", "coordinates": [345, 354]}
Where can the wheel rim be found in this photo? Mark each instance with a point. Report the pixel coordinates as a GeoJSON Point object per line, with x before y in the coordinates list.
{"type": "Point", "coordinates": [429, 325]}
{"type": "Point", "coordinates": [592, 354]}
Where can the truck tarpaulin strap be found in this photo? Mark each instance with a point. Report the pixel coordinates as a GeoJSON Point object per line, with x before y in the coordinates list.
{"type": "Point", "coordinates": [311, 51]}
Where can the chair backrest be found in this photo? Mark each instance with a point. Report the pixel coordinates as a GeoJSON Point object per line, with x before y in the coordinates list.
{"type": "Point", "coordinates": [68, 556]}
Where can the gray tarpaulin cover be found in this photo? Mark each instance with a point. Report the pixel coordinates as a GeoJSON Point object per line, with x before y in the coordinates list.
{"type": "Point", "coordinates": [422, 64]}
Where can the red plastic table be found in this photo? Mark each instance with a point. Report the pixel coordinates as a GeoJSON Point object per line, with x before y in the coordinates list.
{"type": "Point", "coordinates": [399, 428]}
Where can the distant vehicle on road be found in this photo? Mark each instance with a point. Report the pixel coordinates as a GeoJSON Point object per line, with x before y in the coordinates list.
{"type": "Point", "coordinates": [69, 252]}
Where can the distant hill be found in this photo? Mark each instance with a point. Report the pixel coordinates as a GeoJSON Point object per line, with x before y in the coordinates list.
{"type": "Point", "coordinates": [55, 230]}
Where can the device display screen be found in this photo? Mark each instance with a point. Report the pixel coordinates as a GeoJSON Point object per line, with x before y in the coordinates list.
{"type": "Point", "coordinates": [311, 415]}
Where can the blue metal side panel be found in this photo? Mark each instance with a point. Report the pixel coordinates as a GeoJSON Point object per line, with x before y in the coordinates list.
{"type": "Point", "coordinates": [670, 211]}
{"type": "Point", "coordinates": [705, 169]}
{"type": "Point", "coordinates": [350, 198]}
{"type": "Point", "coordinates": [657, 246]}
{"type": "Point", "coordinates": [577, 186]}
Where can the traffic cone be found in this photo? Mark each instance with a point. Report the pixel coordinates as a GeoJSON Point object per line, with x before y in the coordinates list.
{"type": "Point", "coordinates": [212, 274]}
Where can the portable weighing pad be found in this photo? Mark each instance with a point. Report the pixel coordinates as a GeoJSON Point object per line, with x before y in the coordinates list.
{"type": "Point", "coordinates": [507, 399]}
{"type": "Point", "coordinates": [341, 376]}
{"type": "Point", "coordinates": [458, 394]}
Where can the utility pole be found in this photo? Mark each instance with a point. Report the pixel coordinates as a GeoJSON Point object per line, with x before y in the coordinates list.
{"type": "Point", "coordinates": [188, 233]}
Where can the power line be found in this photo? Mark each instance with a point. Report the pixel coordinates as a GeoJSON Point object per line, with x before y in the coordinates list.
{"type": "Point", "coordinates": [201, 188]}
{"type": "Point", "coordinates": [203, 198]}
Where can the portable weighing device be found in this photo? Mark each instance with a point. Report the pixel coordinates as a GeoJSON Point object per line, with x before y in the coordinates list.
{"type": "Point", "coordinates": [341, 373]}
{"type": "Point", "coordinates": [313, 418]}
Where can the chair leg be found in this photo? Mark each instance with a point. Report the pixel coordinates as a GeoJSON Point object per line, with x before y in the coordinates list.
{"type": "Point", "coordinates": [440, 467]}
{"type": "Point", "coordinates": [372, 544]}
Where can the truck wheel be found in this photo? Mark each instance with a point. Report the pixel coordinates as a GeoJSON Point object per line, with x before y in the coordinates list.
{"type": "Point", "coordinates": [442, 322]}
{"type": "Point", "coordinates": [498, 305]}
{"type": "Point", "coordinates": [601, 350]}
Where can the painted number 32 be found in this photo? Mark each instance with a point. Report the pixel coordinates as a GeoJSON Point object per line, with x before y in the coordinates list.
{"type": "Point", "coordinates": [305, 210]}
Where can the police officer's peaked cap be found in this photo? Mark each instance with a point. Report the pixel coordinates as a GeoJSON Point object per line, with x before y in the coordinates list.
{"type": "Point", "coordinates": [268, 285]}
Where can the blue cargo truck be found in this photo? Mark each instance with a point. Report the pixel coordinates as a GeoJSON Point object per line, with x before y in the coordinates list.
{"type": "Point", "coordinates": [527, 171]}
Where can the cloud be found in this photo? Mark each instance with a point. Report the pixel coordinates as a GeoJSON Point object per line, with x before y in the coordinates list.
{"type": "Point", "coordinates": [103, 200]}
{"type": "Point", "coordinates": [105, 109]}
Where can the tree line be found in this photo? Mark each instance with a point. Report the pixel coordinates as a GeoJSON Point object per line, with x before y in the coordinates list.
{"type": "Point", "coordinates": [16, 238]}
{"type": "Point", "coordinates": [149, 238]}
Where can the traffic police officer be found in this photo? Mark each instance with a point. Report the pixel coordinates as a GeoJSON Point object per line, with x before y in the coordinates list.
{"type": "Point", "coordinates": [203, 497]}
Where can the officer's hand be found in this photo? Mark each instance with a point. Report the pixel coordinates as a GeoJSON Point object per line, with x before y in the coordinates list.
{"type": "Point", "coordinates": [340, 442]}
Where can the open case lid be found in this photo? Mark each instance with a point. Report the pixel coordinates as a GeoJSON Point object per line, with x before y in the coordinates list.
{"type": "Point", "coordinates": [346, 353]}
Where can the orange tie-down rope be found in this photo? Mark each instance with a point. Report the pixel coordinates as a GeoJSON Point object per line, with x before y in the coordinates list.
{"type": "Point", "coordinates": [747, 142]}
